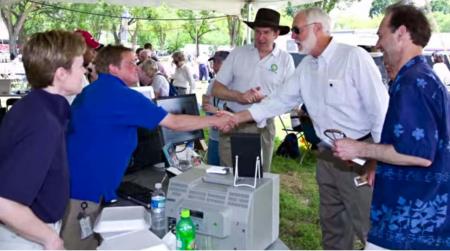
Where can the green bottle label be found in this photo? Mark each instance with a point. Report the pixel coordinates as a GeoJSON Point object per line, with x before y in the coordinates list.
{"type": "Point", "coordinates": [187, 245]}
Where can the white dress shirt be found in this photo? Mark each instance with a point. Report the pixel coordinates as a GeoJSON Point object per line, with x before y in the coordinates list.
{"type": "Point", "coordinates": [342, 89]}
{"type": "Point", "coordinates": [244, 69]}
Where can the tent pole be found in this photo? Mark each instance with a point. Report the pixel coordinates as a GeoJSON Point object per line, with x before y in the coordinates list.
{"type": "Point", "coordinates": [249, 12]}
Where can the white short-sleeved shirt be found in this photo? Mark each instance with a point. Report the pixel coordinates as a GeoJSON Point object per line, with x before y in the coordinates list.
{"type": "Point", "coordinates": [160, 85]}
{"type": "Point", "coordinates": [342, 89]}
{"type": "Point", "coordinates": [243, 69]}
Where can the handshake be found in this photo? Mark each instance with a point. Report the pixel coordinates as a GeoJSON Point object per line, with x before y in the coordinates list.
{"type": "Point", "coordinates": [225, 121]}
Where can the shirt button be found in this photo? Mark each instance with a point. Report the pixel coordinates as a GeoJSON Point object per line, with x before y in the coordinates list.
{"type": "Point", "coordinates": [331, 85]}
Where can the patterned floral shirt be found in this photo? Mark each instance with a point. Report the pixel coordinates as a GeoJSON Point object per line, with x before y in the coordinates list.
{"type": "Point", "coordinates": [410, 203]}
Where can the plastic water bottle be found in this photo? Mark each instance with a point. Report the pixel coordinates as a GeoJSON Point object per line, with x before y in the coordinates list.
{"type": "Point", "coordinates": [185, 231]}
{"type": "Point", "coordinates": [158, 205]}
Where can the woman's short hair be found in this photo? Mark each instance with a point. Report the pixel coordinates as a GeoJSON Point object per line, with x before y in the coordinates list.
{"type": "Point", "coordinates": [45, 52]}
{"type": "Point", "coordinates": [109, 55]}
{"type": "Point", "coordinates": [179, 56]}
{"type": "Point", "coordinates": [150, 67]}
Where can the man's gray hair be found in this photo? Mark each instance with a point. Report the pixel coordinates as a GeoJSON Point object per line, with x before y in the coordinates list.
{"type": "Point", "coordinates": [317, 15]}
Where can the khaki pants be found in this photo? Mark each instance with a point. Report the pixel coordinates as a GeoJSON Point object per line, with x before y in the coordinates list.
{"type": "Point", "coordinates": [344, 208]}
{"type": "Point", "coordinates": [10, 240]}
{"type": "Point", "coordinates": [71, 230]}
{"type": "Point", "coordinates": [267, 143]}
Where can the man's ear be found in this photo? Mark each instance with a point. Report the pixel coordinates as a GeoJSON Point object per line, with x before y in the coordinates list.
{"type": "Point", "coordinates": [402, 32]}
{"type": "Point", "coordinates": [317, 27]}
{"type": "Point", "coordinates": [113, 69]}
{"type": "Point", "coordinates": [60, 74]}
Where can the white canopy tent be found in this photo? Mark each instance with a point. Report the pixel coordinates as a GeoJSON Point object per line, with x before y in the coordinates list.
{"type": "Point", "coordinates": [229, 7]}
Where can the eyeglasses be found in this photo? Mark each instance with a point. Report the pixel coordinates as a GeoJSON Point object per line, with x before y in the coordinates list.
{"type": "Point", "coordinates": [298, 30]}
{"type": "Point", "coordinates": [334, 134]}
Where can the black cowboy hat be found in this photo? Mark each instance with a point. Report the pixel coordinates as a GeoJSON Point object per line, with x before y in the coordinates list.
{"type": "Point", "coordinates": [268, 18]}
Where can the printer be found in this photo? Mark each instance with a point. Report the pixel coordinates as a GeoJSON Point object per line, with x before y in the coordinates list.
{"type": "Point", "coordinates": [225, 216]}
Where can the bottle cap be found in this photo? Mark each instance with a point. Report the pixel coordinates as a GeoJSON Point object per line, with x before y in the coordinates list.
{"type": "Point", "coordinates": [158, 185]}
{"type": "Point", "coordinates": [185, 213]}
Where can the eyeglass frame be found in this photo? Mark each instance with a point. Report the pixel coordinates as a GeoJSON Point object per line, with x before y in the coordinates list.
{"type": "Point", "coordinates": [299, 30]}
{"type": "Point", "coordinates": [334, 134]}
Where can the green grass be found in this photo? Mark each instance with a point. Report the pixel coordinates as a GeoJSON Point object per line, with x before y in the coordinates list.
{"type": "Point", "coordinates": [299, 196]}
{"type": "Point", "coordinates": [299, 202]}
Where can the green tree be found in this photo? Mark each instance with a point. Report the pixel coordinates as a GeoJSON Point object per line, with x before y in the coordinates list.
{"type": "Point", "coordinates": [326, 5]}
{"type": "Point", "coordinates": [14, 16]}
{"type": "Point", "coordinates": [378, 6]}
{"type": "Point", "coordinates": [197, 25]}
{"type": "Point", "coordinates": [440, 6]}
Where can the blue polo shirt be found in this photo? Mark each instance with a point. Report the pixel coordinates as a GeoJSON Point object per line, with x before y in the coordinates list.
{"type": "Point", "coordinates": [33, 160]}
{"type": "Point", "coordinates": [102, 135]}
{"type": "Point", "coordinates": [410, 205]}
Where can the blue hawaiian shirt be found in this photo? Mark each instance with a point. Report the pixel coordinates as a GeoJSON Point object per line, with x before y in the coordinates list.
{"type": "Point", "coordinates": [410, 203]}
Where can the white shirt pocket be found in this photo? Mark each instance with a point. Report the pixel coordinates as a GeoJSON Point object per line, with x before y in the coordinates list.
{"type": "Point", "coordinates": [335, 92]}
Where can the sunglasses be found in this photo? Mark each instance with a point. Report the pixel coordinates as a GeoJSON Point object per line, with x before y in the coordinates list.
{"type": "Point", "coordinates": [298, 30]}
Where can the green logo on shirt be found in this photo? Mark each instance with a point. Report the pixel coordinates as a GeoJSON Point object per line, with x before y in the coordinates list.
{"type": "Point", "coordinates": [274, 68]}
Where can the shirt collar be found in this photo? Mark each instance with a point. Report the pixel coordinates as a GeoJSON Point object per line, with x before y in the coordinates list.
{"type": "Point", "coordinates": [107, 78]}
{"type": "Point", "coordinates": [329, 51]}
{"type": "Point", "coordinates": [275, 52]}
{"type": "Point", "coordinates": [412, 62]}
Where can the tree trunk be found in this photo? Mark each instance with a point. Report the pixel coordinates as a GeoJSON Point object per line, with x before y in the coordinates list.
{"type": "Point", "coordinates": [134, 34]}
{"type": "Point", "coordinates": [115, 34]}
{"type": "Point", "coordinates": [161, 37]}
{"type": "Point", "coordinates": [197, 45]}
{"type": "Point", "coordinates": [233, 29]}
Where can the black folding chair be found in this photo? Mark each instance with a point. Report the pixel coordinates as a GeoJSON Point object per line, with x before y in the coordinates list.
{"type": "Point", "coordinates": [10, 102]}
{"type": "Point", "coordinates": [298, 131]}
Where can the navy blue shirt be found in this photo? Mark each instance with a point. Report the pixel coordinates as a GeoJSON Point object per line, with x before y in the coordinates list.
{"type": "Point", "coordinates": [410, 203]}
{"type": "Point", "coordinates": [33, 159]}
{"type": "Point", "coordinates": [102, 135]}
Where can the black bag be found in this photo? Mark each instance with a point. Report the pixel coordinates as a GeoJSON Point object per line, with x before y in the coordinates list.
{"type": "Point", "coordinates": [172, 89]}
{"type": "Point", "coordinates": [289, 147]}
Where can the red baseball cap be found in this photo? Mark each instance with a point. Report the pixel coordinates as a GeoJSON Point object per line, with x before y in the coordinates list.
{"type": "Point", "coordinates": [90, 41]}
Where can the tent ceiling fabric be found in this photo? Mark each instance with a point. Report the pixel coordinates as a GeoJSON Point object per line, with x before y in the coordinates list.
{"type": "Point", "coordinates": [229, 7]}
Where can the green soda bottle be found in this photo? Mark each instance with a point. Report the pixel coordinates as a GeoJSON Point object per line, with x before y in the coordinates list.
{"type": "Point", "coordinates": [185, 231]}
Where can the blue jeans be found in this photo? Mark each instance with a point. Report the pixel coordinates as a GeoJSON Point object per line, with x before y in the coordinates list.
{"type": "Point", "coordinates": [213, 152]}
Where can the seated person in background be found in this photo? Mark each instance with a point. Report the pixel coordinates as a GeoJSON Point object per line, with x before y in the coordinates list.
{"type": "Point", "coordinates": [34, 180]}
{"type": "Point", "coordinates": [144, 55]}
{"type": "Point", "coordinates": [210, 104]}
{"type": "Point", "coordinates": [441, 69]}
{"type": "Point", "coordinates": [159, 82]}
{"type": "Point", "coordinates": [102, 135]}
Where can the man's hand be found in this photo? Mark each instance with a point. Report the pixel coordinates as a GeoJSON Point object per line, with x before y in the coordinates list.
{"type": "Point", "coordinates": [370, 167]}
{"type": "Point", "coordinates": [347, 149]}
{"type": "Point", "coordinates": [225, 121]}
{"type": "Point", "coordinates": [253, 95]}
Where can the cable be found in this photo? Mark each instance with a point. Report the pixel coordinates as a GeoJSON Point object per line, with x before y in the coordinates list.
{"type": "Point", "coordinates": [113, 16]}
